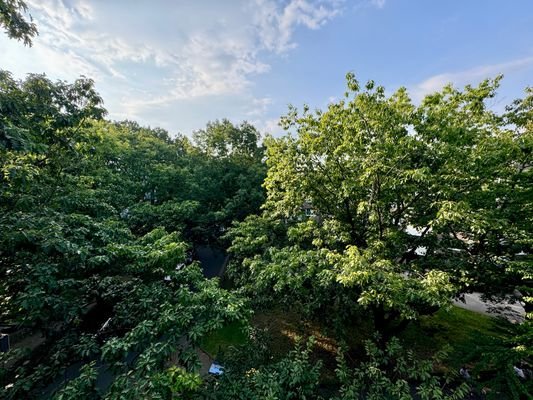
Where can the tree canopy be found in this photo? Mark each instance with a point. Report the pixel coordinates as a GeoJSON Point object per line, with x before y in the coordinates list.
{"type": "Point", "coordinates": [95, 219]}
{"type": "Point", "coordinates": [412, 204]}
{"type": "Point", "coordinates": [375, 209]}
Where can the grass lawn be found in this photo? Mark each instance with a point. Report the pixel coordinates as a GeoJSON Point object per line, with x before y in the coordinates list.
{"type": "Point", "coordinates": [217, 342]}
{"type": "Point", "coordinates": [458, 328]}
{"type": "Point", "coordinates": [455, 327]}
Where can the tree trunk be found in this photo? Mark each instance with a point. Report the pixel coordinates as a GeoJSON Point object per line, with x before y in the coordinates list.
{"type": "Point", "coordinates": [384, 323]}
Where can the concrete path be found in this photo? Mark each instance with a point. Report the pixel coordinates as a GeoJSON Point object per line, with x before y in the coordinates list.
{"type": "Point", "coordinates": [514, 313]}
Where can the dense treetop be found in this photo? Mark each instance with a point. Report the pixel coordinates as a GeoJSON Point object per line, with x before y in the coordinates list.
{"type": "Point", "coordinates": [375, 209]}
{"type": "Point", "coordinates": [95, 217]}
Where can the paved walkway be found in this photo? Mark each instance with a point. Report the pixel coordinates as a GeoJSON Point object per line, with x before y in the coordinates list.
{"type": "Point", "coordinates": [514, 313]}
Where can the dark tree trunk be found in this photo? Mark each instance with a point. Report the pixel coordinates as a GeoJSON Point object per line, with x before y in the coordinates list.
{"type": "Point", "coordinates": [388, 323]}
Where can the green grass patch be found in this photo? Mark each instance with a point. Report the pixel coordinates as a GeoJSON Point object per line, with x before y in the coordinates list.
{"type": "Point", "coordinates": [458, 328]}
{"type": "Point", "coordinates": [219, 341]}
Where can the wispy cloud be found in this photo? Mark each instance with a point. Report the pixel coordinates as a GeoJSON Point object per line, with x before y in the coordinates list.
{"type": "Point", "coordinates": [259, 106]}
{"type": "Point", "coordinates": [378, 3]}
{"type": "Point", "coordinates": [144, 62]}
{"type": "Point", "coordinates": [268, 127]}
{"type": "Point", "coordinates": [276, 24]}
{"type": "Point", "coordinates": [68, 43]}
{"type": "Point", "coordinates": [469, 76]}
{"type": "Point", "coordinates": [208, 60]}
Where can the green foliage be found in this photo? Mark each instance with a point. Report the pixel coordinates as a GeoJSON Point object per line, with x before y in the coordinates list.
{"type": "Point", "coordinates": [85, 384]}
{"type": "Point", "coordinates": [382, 284]}
{"type": "Point", "coordinates": [402, 205]}
{"type": "Point", "coordinates": [230, 171]}
{"type": "Point", "coordinates": [181, 384]}
{"type": "Point", "coordinates": [97, 220]}
{"type": "Point", "coordinates": [164, 326]}
{"type": "Point", "coordinates": [222, 139]}
{"type": "Point", "coordinates": [14, 22]}
{"type": "Point", "coordinates": [496, 357]}
{"type": "Point", "coordinates": [174, 216]}
{"type": "Point", "coordinates": [294, 377]}
{"type": "Point", "coordinates": [94, 218]}
{"type": "Point", "coordinates": [45, 117]}
{"type": "Point", "coordinates": [390, 372]}
{"type": "Point", "coordinates": [489, 347]}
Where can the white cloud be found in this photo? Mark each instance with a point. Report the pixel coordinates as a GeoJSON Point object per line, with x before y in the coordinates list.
{"type": "Point", "coordinates": [207, 67]}
{"type": "Point", "coordinates": [216, 67]}
{"type": "Point", "coordinates": [210, 60]}
{"type": "Point", "coordinates": [468, 76]}
{"type": "Point", "coordinates": [60, 13]}
{"type": "Point", "coordinates": [378, 3]}
{"type": "Point", "coordinates": [146, 58]}
{"type": "Point", "coordinates": [226, 65]}
{"type": "Point", "coordinates": [276, 23]}
{"type": "Point", "coordinates": [259, 106]}
{"type": "Point", "coordinates": [69, 42]}
{"type": "Point", "coordinates": [268, 126]}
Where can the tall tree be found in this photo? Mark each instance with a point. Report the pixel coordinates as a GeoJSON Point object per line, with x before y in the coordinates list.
{"type": "Point", "coordinates": [229, 174]}
{"type": "Point", "coordinates": [413, 204]}
{"type": "Point", "coordinates": [73, 276]}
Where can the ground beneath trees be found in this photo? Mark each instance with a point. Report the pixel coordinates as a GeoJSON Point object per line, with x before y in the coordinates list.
{"type": "Point", "coordinates": [456, 327]}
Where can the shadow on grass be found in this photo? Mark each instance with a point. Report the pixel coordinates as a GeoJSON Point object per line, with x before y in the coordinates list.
{"type": "Point", "coordinates": [218, 342]}
{"type": "Point", "coordinates": [458, 328]}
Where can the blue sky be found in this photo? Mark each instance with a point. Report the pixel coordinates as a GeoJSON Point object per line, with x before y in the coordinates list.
{"type": "Point", "coordinates": [180, 63]}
